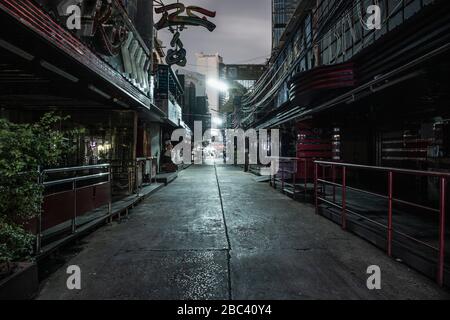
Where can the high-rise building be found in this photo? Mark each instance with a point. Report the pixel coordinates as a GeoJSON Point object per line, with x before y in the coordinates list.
{"type": "Point", "coordinates": [195, 100]}
{"type": "Point", "coordinates": [282, 11]}
{"type": "Point", "coordinates": [211, 65]}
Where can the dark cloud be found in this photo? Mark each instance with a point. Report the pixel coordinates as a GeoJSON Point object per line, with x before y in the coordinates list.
{"type": "Point", "coordinates": [243, 31]}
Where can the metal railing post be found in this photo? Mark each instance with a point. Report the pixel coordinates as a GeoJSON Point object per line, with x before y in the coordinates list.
{"type": "Point", "coordinates": [110, 193]}
{"type": "Point", "coordinates": [136, 177]}
{"type": "Point", "coordinates": [344, 197]}
{"type": "Point", "coordinates": [333, 168]}
{"type": "Point", "coordinates": [294, 178]}
{"type": "Point", "coordinates": [442, 231]}
{"type": "Point", "coordinates": [306, 180]}
{"type": "Point", "coordinates": [74, 218]}
{"type": "Point", "coordinates": [275, 180]}
{"type": "Point", "coordinates": [39, 218]}
{"type": "Point", "coordinates": [316, 193]}
{"type": "Point", "coordinates": [390, 199]}
{"type": "Point", "coordinates": [130, 182]}
{"type": "Point", "coordinates": [142, 178]}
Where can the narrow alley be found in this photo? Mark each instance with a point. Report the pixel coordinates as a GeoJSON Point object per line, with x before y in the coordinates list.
{"type": "Point", "coordinates": [257, 150]}
{"type": "Point", "coordinates": [216, 233]}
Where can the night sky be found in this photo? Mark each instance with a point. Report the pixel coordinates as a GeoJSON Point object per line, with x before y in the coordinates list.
{"type": "Point", "coordinates": [243, 31]}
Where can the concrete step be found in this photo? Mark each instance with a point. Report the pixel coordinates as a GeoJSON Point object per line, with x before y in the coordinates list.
{"type": "Point", "coordinates": [166, 178]}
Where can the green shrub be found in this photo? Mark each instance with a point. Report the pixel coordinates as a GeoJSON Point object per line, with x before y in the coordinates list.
{"type": "Point", "coordinates": [15, 243]}
{"type": "Point", "coordinates": [23, 148]}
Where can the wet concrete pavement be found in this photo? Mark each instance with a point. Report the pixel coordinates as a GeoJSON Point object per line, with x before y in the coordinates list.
{"type": "Point", "coordinates": [215, 233]}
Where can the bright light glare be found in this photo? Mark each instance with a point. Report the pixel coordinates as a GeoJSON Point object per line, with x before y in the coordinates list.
{"type": "Point", "coordinates": [217, 84]}
{"type": "Point", "coordinates": [217, 121]}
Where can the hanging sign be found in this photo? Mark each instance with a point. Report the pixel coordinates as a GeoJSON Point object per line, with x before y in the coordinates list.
{"type": "Point", "coordinates": [173, 19]}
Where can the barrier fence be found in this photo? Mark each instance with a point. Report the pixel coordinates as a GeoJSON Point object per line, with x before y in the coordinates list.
{"type": "Point", "coordinates": [130, 175]}
{"type": "Point", "coordinates": [74, 196]}
{"type": "Point", "coordinates": [327, 173]}
{"type": "Point", "coordinates": [286, 175]}
{"type": "Point", "coordinates": [69, 193]}
{"type": "Point", "coordinates": [295, 175]}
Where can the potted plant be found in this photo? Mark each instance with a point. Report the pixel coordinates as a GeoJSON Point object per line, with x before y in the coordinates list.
{"type": "Point", "coordinates": [18, 273]}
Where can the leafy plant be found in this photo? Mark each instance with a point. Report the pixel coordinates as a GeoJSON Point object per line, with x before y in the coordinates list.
{"type": "Point", "coordinates": [15, 243]}
{"type": "Point", "coordinates": [23, 149]}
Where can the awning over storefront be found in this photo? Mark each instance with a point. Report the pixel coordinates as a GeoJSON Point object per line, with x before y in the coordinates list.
{"type": "Point", "coordinates": [61, 71]}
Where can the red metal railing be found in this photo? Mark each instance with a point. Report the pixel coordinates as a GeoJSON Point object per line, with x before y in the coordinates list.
{"type": "Point", "coordinates": [320, 172]}
{"type": "Point", "coordinates": [287, 171]}
{"type": "Point", "coordinates": [295, 172]}
{"type": "Point", "coordinates": [87, 188]}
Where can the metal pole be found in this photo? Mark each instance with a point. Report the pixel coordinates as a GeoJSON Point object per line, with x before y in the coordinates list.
{"type": "Point", "coordinates": [74, 219]}
{"type": "Point", "coordinates": [442, 232]}
{"type": "Point", "coordinates": [275, 181]}
{"type": "Point", "coordinates": [294, 179]}
{"type": "Point", "coordinates": [306, 179]}
{"type": "Point", "coordinates": [142, 170]}
{"type": "Point", "coordinates": [334, 181]}
{"type": "Point", "coordinates": [344, 197]}
{"type": "Point", "coordinates": [136, 178]}
{"type": "Point", "coordinates": [130, 180]}
{"type": "Point", "coordinates": [110, 194]}
{"type": "Point", "coordinates": [39, 218]}
{"type": "Point", "coordinates": [316, 177]}
{"type": "Point", "coordinates": [390, 190]}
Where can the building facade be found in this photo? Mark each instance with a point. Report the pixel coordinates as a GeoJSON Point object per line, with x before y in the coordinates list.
{"type": "Point", "coordinates": [211, 66]}
{"type": "Point", "coordinates": [104, 73]}
{"type": "Point", "coordinates": [358, 96]}
{"type": "Point", "coordinates": [282, 11]}
{"type": "Point", "coordinates": [195, 99]}
{"type": "Point", "coordinates": [241, 79]}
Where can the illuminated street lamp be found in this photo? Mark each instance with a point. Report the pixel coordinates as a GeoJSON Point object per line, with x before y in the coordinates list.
{"type": "Point", "coordinates": [218, 85]}
{"type": "Point", "coordinates": [217, 121]}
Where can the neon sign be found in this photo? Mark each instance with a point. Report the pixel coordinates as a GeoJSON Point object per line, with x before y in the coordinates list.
{"type": "Point", "coordinates": [173, 19]}
{"type": "Point", "coordinates": [110, 33]}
